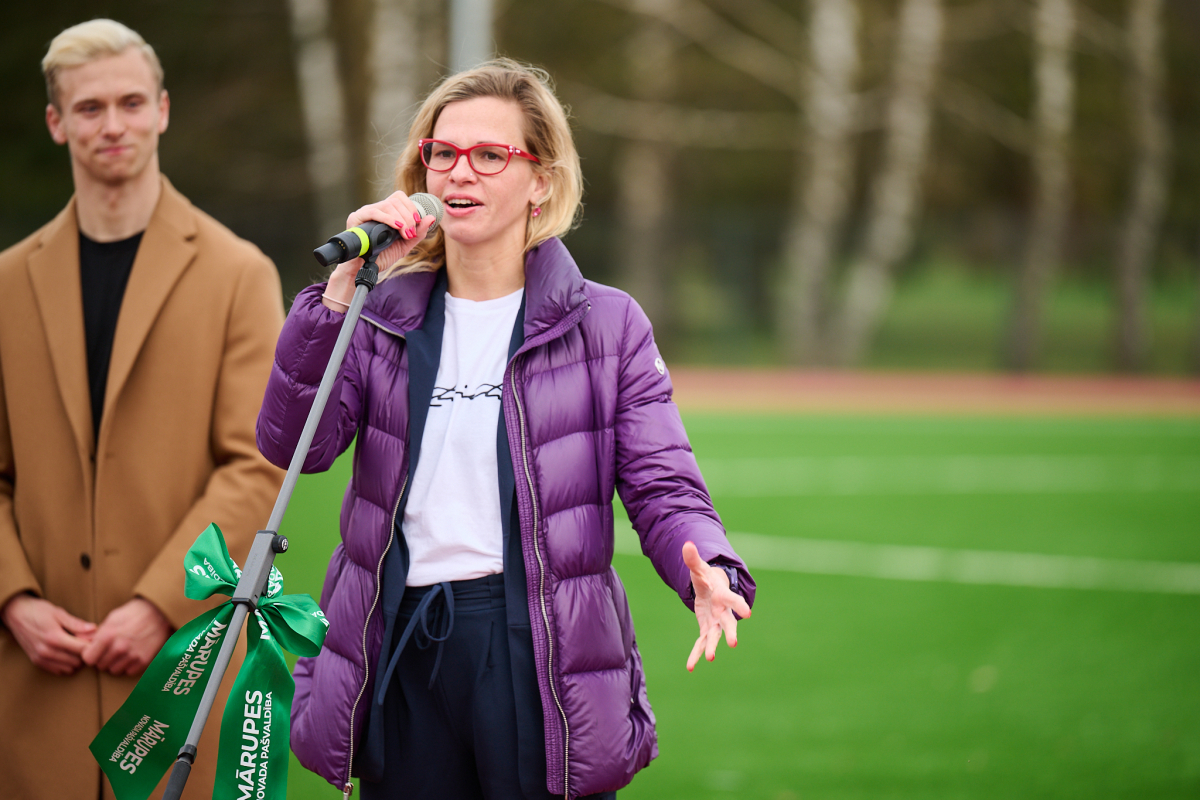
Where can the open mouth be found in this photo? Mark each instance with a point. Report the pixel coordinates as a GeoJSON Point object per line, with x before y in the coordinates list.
{"type": "Point", "coordinates": [461, 202]}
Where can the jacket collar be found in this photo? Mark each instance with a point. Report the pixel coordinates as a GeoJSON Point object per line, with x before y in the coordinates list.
{"type": "Point", "coordinates": [167, 249]}
{"type": "Point", "coordinates": [553, 287]}
{"type": "Point", "coordinates": [165, 252]}
{"type": "Point", "coordinates": [54, 276]}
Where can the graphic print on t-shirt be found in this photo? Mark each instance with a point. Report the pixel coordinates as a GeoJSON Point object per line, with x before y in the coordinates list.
{"type": "Point", "coordinates": [443, 395]}
{"type": "Point", "coordinates": [452, 518]}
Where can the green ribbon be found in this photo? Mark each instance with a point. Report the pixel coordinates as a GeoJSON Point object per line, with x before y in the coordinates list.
{"type": "Point", "coordinates": [142, 740]}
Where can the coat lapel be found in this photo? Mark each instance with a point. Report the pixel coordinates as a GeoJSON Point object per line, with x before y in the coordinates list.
{"type": "Point", "coordinates": [166, 250]}
{"type": "Point", "coordinates": [54, 276]}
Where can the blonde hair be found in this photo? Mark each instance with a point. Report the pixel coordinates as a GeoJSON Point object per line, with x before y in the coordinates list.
{"type": "Point", "coordinates": [547, 136]}
{"type": "Point", "coordinates": [83, 43]}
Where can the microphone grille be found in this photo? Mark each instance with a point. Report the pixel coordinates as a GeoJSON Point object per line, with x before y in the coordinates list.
{"type": "Point", "coordinates": [429, 204]}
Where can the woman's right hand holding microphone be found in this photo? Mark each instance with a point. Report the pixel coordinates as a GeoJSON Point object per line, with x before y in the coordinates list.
{"type": "Point", "coordinates": [396, 211]}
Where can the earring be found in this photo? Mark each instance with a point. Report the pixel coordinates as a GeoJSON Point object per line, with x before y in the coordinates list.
{"type": "Point", "coordinates": [537, 210]}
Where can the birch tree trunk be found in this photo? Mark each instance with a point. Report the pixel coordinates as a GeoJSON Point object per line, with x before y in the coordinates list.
{"type": "Point", "coordinates": [352, 23]}
{"type": "Point", "coordinates": [822, 191]}
{"type": "Point", "coordinates": [643, 178]}
{"type": "Point", "coordinates": [1139, 234]}
{"type": "Point", "coordinates": [329, 169]}
{"type": "Point", "coordinates": [471, 36]}
{"type": "Point", "coordinates": [394, 82]}
{"type": "Point", "coordinates": [1054, 87]}
{"type": "Point", "coordinates": [896, 191]}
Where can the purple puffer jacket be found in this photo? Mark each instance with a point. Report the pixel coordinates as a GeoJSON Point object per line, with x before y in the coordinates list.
{"type": "Point", "coordinates": [587, 404]}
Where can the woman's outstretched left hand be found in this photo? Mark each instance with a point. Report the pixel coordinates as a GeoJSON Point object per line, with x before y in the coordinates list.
{"type": "Point", "coordinates": [715, 606]}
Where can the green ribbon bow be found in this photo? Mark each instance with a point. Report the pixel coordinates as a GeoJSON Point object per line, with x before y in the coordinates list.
{"type": "Point", "coordinates": [142, 740]}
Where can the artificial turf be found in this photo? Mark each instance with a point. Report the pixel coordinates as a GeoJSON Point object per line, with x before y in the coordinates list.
{"type": "Point", "coordinates": [851, 687]}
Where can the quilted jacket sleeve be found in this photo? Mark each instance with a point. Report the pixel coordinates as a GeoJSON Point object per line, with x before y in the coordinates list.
{"type": "Point", "coordinates": [303, 351]}
{"type": "Point", "coordinates": [657, 476]}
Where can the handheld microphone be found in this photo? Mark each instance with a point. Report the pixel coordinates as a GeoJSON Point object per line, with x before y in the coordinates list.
{"type": "Point", "coordinates": [373, 237]}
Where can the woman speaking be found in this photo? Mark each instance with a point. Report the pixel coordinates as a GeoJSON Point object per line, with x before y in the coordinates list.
{"type": "Point", "coordinates": [480, 642]}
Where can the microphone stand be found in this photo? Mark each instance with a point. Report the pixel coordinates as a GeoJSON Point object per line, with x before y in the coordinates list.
{"type": "Point", "coordinates": [268, 542]}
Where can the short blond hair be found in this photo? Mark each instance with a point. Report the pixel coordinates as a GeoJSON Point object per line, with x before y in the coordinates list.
{"type": "Point", "coordinates": [547, 136]}
{"type": "Point", "coordinates": [83, 43]}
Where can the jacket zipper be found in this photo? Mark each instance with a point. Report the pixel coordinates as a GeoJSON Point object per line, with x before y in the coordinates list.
{"type": "Point", "coordinates": [537, 551]}
{"type": "Point", "coordinates": [348, 788]}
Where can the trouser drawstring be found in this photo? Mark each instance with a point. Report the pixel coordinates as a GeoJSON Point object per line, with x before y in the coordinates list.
{"type": "Point", "coordinates": [424, 636]}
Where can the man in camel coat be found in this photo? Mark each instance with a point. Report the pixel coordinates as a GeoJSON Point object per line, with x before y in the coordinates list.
{"type": "Point", "coordinates": [136, 338]}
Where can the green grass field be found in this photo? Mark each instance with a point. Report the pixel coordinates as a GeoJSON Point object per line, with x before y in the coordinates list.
{"type": "Point", "coordinates": [919, 631]}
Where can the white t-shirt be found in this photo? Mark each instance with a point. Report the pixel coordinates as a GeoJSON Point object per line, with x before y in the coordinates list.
{"type": "Point", "coordinates": [452, 518]}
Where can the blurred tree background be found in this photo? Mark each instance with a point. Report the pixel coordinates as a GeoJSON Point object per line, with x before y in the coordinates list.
{"type": "Point", "coordinates": [945, 184]}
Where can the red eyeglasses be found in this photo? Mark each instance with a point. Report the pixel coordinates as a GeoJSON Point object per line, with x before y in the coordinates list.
{"type": "Point", "coordinates": [485, 159]}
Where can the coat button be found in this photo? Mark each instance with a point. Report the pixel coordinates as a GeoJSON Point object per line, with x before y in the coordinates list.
{"type": "Point", "coordinates": [86, 560]}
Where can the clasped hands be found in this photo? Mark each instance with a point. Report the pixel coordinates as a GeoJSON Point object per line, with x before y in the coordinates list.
{"type": "Point", "coordinates": [715, 606]}
{"type": "Point", "coordinates": [60, 643]}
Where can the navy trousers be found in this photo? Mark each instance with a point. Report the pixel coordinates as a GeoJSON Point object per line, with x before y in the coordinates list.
{"type": "Point", "coordinates": [450, 718]}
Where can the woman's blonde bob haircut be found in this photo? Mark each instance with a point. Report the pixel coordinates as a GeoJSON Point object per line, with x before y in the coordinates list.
{"type": "Point", "coordinates": [84, 43]}
{"type": "Point", "coordinates": [547, 136]}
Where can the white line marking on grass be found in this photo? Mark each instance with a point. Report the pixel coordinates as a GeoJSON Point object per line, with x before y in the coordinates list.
{"type": "Point", "coordinates": [912, 563]}
{"type": "Point", "coordinates": [890, 475]}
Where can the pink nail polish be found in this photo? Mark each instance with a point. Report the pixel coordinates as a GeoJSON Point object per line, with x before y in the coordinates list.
{"type": "Point", "coordinates": [399, 225]}
{"type": "Point", "coordinates": [409, 233]}
{"type": "Point", "coordinates": [416, 218]}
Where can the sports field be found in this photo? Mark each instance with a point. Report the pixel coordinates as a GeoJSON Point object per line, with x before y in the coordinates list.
{"type": "Point", "coordinates": [949, 606]}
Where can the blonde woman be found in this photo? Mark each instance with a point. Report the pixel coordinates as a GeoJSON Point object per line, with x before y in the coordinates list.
{"type": "Point", "coordinates": [480, 642]}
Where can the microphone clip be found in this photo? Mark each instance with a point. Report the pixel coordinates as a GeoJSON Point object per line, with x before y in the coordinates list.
{"type": "Point", "coordinates": [368, 274]}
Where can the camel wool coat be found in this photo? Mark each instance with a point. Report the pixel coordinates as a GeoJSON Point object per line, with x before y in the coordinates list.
{"type": "Point", "coordinates": [88, 527]}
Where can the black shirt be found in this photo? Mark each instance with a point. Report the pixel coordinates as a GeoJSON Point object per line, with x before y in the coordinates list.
{"type": "Point", "coordinates": [104, 269]}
